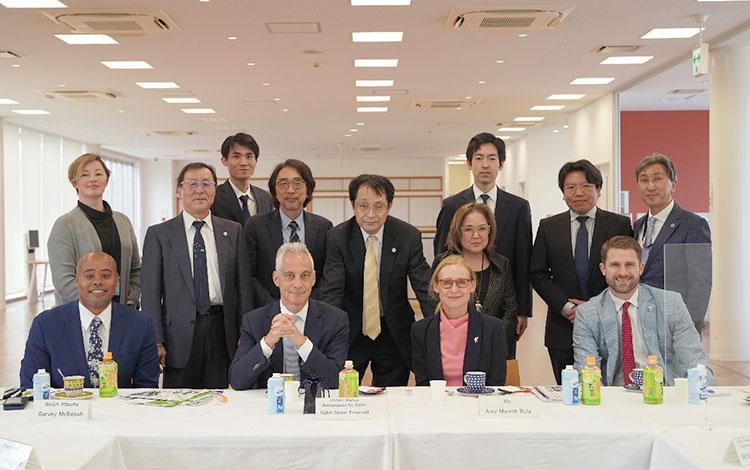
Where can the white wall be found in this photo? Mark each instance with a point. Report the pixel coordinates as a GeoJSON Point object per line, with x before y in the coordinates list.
{"type": "Point", "coordinates": [157, 193]}
{"type": "Point", "coordinates": [2, 223]}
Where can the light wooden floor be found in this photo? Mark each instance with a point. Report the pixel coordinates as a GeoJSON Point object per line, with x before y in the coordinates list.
{"type": "Point", "coordinates": [532, 355]}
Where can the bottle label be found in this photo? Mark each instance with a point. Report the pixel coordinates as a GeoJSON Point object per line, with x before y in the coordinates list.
{"type": "Point", "coordinates": [107, 379]}
{"type": "Point", "coordinates": [591, 387]}
{"type": "Point", "coordinates": [348, 384]}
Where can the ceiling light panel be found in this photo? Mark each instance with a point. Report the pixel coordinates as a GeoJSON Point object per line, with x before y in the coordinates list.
{"type": "Point", "coordinates": [372, 109]}
{"type": "Point", "coordinates": [182, 100]}
{"type": "Point", "coordinates": [157, 85]}
{"type": "Point", "coordinates": [381, 3]}
{"type": "Point", "coordinates": [592, 81]}
{"type": "Point", "coordinates": [373, 99]}
{"type": "Point", "coordinates": [373, 83]}
{"type": "Point", "coordinates": [376, 62]}
{"type": "Point", "coordinates": [565, 97]}
{"type": "Point", "coordinates": [127, 64]}
{"type": "Point", "coordinates": [671, 33]}
{"type": "Point", "coordinates": [30, 112]}
{"type": "Point", "coordinates": [511, 129]}
{"type": "Point", "coordinates": [7, 101]}
{"type": "Point", "coordinates": [627, 60]}
{"type": "Point", "coordinates": [32, 4]}
{"type": "Point", "coordinates": [547, 107]}
{"type": "Point", "coordinates": [86, 39]}
{"type": "Point", "coordinates": [198, 111]}
{"type": "Point", "coordinates": [378, 36]}
{"type": "Point", "coordinates": [529, 119]}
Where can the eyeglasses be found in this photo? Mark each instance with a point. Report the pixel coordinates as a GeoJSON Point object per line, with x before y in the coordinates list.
{"type": "Point", "coordinates": [296, 184]}
{"type": "Point", "coordinates": [462, 283]}
{"type": "Point", "coordinates": [194, 184]}
{"type": "Point", "coordinates": [573, 188]}
{"type": "Point", "coordinates": [364, 208]}
{"type": "Point", "coordinates": [470, 230]}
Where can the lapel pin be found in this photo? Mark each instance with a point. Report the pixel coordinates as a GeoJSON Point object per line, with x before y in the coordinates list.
{"type": "Point", "coordinates": [476, 339]}
{"type": "Point", "coordinates": [393, 250]}
{"type": "Point", "coordinates": [225, 234]}
{"type": "Point", "coordinates": [672, 226]}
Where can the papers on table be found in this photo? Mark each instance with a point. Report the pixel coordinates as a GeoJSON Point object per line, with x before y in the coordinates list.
{"type": "Point", "coordinates": [171, 397]}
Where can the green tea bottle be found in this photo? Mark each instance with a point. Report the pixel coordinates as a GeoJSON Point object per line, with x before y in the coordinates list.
{"type": "Point", "coordinates": [653, 382]}
{"type": "Point", "coordinates": [107, 376]}
{"type": "Point", "coordinates": [348, 381]}
{"type": "Point", "coordinates": [591, 382]}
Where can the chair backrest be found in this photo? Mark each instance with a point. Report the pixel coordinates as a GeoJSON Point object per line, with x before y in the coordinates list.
{"type": "Point", "coordinates": [512, 375]}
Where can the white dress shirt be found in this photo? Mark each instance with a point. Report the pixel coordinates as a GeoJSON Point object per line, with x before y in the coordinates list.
{"type": "Point", "coordinates": [86, 317]}
{"type": "Point", "coordinates": [639, 344]}
{"type": "Point", "coordinates": [658, 220]}
{"type": "Point", "coordinates": [212, 259]}
{"type": "Point", "coordinates": [251, 206]}
{"type": "Point", "coordinates": [306, 348]}
{"type": "Point", "coordinates": [491, 202]}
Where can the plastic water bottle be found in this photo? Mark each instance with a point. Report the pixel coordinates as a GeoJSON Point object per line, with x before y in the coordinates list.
{"type": "Point", "coordinates": [276, 394]}
{"type": "Point", "coordinates": [107, 376]}
{"type": "Point", "coordinates": [348, 381]}
{"type": "Point", "coordinates": [591, 379]}
{"type": "Point", "coordinates": [570, 386]}
{"type": "Point", "coordinates": [702, 383]}
{"type": "Point", "coordinates": [41, 382]}
{"type": "Point", "coordinates": [653, 382]}
{"type": "Point", "coordinates": [694, 394]}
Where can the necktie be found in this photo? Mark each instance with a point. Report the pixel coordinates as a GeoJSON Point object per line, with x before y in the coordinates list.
{"type": "Point", "coordinates": [648, 239]}
{"type": "Point", "coordinates": [245, 209]}
{"type": "Point", "coordinates": [94, 354]}
{"type": "Point", "coordinates": [582, 257]}
{"type": "Point", "coordinates": [200, 270]}
{"type": "Point", "coordinates": [371, 294]}
{"type": "Point", "coordinates": [484, 198]}
{"type": "Point", "coordinates": [628, 358]}
{"type": "Point", "coordinates": [291, 356]}
{"type": "Point", "coordinates": [293, 236]}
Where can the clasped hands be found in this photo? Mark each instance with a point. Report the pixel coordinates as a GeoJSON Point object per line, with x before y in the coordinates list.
{"type": "Point", "coordinates": [282, 326]}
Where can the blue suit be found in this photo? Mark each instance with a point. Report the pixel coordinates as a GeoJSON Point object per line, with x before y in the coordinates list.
{"type": "Point", "coordinates": [665, 326]}
{"type": "Point", "coordinates": [326, 326]}
{"type": "Point", "coordinates": [56, 342]}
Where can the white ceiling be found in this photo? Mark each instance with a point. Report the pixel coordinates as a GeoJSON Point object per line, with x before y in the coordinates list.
{"type": "Point", "coordinates": [318, 90]}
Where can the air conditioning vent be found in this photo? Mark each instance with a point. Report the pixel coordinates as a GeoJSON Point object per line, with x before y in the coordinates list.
{"type": "Point", "coordinates": [169, 133]}
{"type": "Point", "coordinates": [444, 104]}
{"type": "Point", "coordinates": [390, 92]}
{"type": "Point", "coordinates": [506, 19]}
{"type": "Point", "coordinates": [82, 95]}
{"type": "Point", "coordinates": [115, 22]}
{"type": "Point", "coordinates": [256, 103]}
{"type": "Point", "coordinates": [8, 54]}
{"type": "Point", "coordinates": [370, 148]}
{"type": "Point", "coordinates": [615, 49]}
{"type": "Point", "coordinates": [687, 91]}
{"type": "Point", "coordinates": [204, 150]}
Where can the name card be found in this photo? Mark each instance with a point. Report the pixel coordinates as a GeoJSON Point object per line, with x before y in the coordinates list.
{"type": "Point", "coordinates": [343, 409]}
{"type": "Point", "coordinates": [739, 451]}
{"type": "Point", "coordinates": [62, 410]}
{"type": "Point", "coordinates": [505, 407]}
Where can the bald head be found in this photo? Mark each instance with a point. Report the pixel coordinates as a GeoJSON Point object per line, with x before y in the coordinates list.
{"type": "Point", "coordinates": [96, 279]}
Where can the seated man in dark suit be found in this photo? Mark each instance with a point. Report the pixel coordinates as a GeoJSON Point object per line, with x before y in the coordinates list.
{"type": "Point", "coordinates": [292, 185]}
{"type": "Point", "coordinates": [237, 199]}
{"type": "Point", "coordinates": [73, 337]}
{"type": "Point", "coordinates": [296, 335]}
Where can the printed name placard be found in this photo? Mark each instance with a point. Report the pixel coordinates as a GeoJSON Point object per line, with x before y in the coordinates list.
{"type": "Point", "coordinates": [505, 407]}
{"type": "Point", "coordinates": [343, 408]}
{"type": "Point", "coordinates": [739, 451]}
{"type": "Point", "coordinates": [62, 410]}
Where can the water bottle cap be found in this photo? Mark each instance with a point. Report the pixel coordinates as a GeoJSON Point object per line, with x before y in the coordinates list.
{"type": "Point", "coordinates": [348, 365]}
{"type": "Point", "coordinates": [108, 356]}
{"type": "Point", "coordinates": [568, 367]}
{"type": "Point", "coordinates": [652, 359]}
{"type": "Point", "coordinates": [41, 371]}
{"type": "Point", "coordinates": [700, 366]}
{"type": "Point", "coordinates": [590, 361]}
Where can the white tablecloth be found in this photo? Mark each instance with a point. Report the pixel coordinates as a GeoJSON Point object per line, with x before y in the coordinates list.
{"type": "Point", "coordinates": [408, 432]}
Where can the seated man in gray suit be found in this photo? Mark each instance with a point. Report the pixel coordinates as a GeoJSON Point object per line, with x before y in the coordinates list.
{"type": "Point", "coordinates": [296, 335]}
{"type": "Point", "coordinates": [629, 321]}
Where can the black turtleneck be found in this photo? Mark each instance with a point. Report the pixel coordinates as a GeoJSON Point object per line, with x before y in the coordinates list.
{"type": "Point", "coordinates": [106, 229]}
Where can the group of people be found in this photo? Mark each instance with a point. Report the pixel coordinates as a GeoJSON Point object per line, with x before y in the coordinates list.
{"type": "Point", "coordinates": [244, 283]}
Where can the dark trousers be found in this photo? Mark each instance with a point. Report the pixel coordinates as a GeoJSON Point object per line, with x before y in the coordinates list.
{"type": "Point", "coordinates": [388, 366]}
{"type": "Point", "coordinates": [560, 358]}
{"type": "Point", "coordinates": [208, 365]}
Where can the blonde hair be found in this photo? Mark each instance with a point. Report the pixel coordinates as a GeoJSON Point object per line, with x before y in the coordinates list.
{"type": "Point", "coordinates": [75, 169]}
{"type": "Point", "coordinates": [450, 260]}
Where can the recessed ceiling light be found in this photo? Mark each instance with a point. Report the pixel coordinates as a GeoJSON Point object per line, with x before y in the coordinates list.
{"type": "Point", "coordinates": [380, 3]}
{"type": "Point", "coordinates": [499, 61]}
{"type": "Point", "coordinates": [198, 111]}
{"type": "Point", "coordinates": [522, 35]}
{"type": "Point", "coordinates": [347, 135]}
{"type": "Point", "coordinates": [565, 97]}
{"type": "Point", "coordinates": [481, 82]}
{"type": "Point", "coordinates": [32, 4]}
{"type": "Point", "coordinates": [157, 85]}
{"type": "Point", "coordinates": [232, 38]}
{"type": "Point", "coordinates": [360, 123]}
{"type": "Point", "coordinates": [277, 99]}
{"type": "Point", "coordinates": [30, 112]}
{"type": "Point", "coordinates": [373, 83]}
{"type": "Point", "coordinates": [504, 137]}
{"type": "Point", "coordinates": [266, 84]}
{"type": "Point", "coordinates": [285, 109]}
{"type": "Point", "coordinates": [627, 60]}
{"type": "Point", "coordinates": [204, 1]}
{"type": "Point", "coordinates": [555, 131]}
{"type": "Point", "coordinates": [547, 107]}
{"type": "Point", "coordinates": [671, 33]}
{"type": "Point", "coordinates": [61, 85]}
{"type": "Point", "coordinates": [378, 36]}
{"type": "Point", "coordinates": [127, 64]}
{"type": "Point", "coordinates": [565, 126]}
{"type": "Point", "coordinates": [15, 66]}
{"type": "Point", "coordinates": [86, 39]}
{"type": "Point", "coordinates": [511, 129]}
{"type": "Point", "coordinates": [7, 101]}
{"type": "Point", "coordinates": [353, 130]}
{"type": "Point", "coordinates": [182, 100]}
{"type": "Point", "coordinates": [529, 119]}
{"type": "Point", "coordinates": [120, 110]}
{"type": "Point", "coordinates": [467, 97]}
{"type": "Point", "coordinates": [251, 64]}
{"type": "Point", "coordinates": [376, 62]}
{"type": "Point", "coordinates": [373, 99]}
{"type": "Point", "coordinates": [372, 109]}
{"type": "Point", "coordinates": [592, 81]}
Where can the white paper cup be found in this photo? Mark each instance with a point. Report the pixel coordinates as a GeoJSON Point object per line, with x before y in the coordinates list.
{"type": "Point", "coordinates": [681, 389]}
{"type": "Point", "coordinates": [291, 391]}
{"type": "Point", "coordinates": [437, 388]}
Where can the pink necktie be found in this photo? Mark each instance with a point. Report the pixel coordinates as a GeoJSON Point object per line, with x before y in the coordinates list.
{"type": "Point", "coordinates": [628, 358]}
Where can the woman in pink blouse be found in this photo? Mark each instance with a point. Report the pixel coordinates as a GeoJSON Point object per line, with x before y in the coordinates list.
{"type": "Point", "coordinates": [457, 339]}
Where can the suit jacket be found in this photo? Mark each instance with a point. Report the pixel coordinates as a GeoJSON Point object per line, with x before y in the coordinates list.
{"type": "Point", "coordinates": [168, 295]}
{"type": "Point", "coordinates": [665, 324]}
{"type": "Point", "coordinates": [72, 236]}
{"type": "Point", "coordinates": [227, 206]}
{"type": "Point", "coordinates": [688, 267]}
{"type": "Point", "coordinates": [401, 258]}
{"type": "Point", "coordinates": [485, 348]}
{"type": "Point", "coordinates": [512, 240]}
{"type": "Point", "coordinates": [327, 328]}
{"type": "Point", "coordinates": [553, 271]}
{"type": "Point", "coordinates": [263, 237]}
{"type": "Point", "coordinates": [56, 342]}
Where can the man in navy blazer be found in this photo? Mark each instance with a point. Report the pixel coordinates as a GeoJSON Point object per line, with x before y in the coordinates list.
{"type": "Point", "coordinates": [237, 199]}
{"type": "Point", "coordinates": [56, 338]}
{"type": "Point", "coordinates": [676, 243]}
{"type": "Point", "coordinates": [292, 185]}
{"type": "Point", "coordinates": [485, 155]}
{"type": "Point", "coordinates": [295, 335]}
